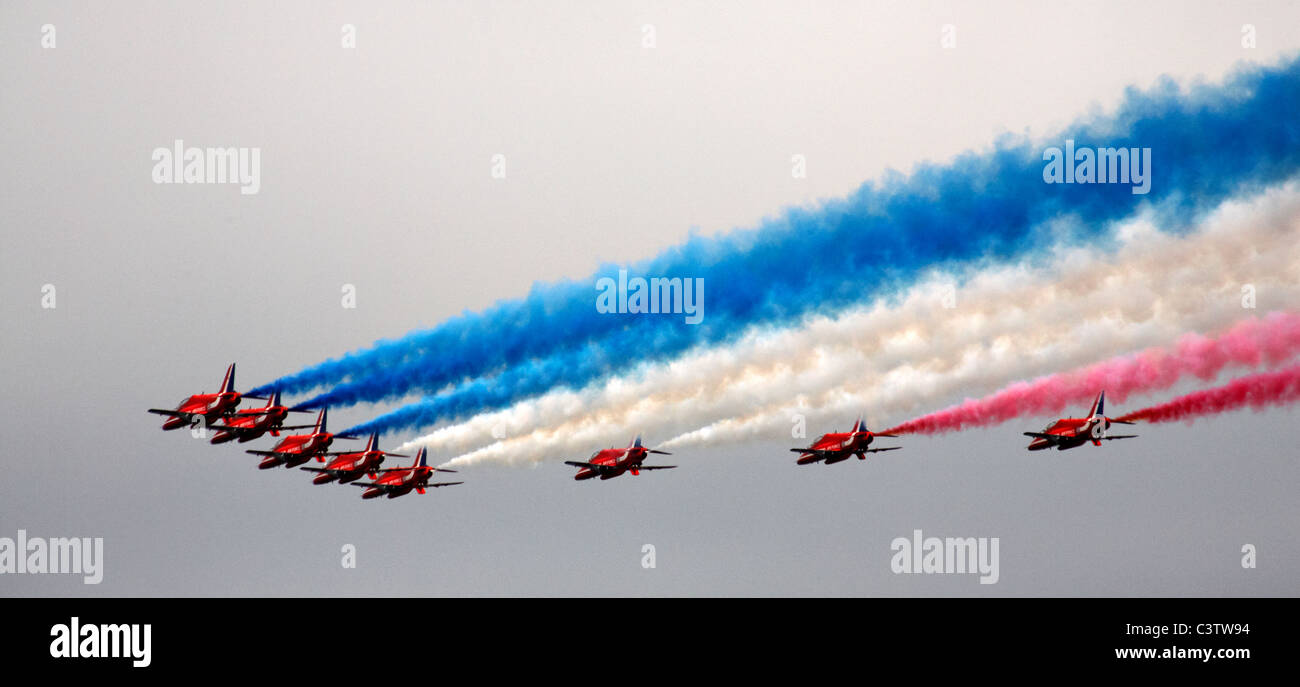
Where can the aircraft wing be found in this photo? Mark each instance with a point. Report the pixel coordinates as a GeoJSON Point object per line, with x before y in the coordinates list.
{"type": "Point", "coordinates": [397, 469]}
{"type": "Point", "coordinates": [616, 468]}
{"type": "Point", "coordinates": [172, 413]}
{"type": "Point", "coordinates": [283, 454]}
{"type": "Point", "coordinates": [593, 466]}
{"type": "Point", "coordinates": [387, 487]}
{"type": "Point", "coordinates": [1043, 435]}
{"type": "Point", "coordinates": [238, 428]}
{"type": "Point", "coordinates": [819, 452]}
{"type": "Point", "coordinates": [876, 450]}
{"type": "Point", "coordinates": [662, 453]}
{"type": "Point", "coordinates": [1120, 436]}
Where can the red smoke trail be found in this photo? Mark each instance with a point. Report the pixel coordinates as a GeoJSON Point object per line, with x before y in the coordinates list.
{"type": "Point", "coordinates": [1257, 391]}
{"type": "Point", "coordinates": [1271, 341]}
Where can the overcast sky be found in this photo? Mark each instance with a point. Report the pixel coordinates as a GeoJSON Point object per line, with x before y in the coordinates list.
{"type": "Point", "coordinates": [375, 171]}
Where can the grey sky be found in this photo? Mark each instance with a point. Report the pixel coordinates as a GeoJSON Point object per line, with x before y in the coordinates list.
{"type": "Point", "coordinates": [375, 172]}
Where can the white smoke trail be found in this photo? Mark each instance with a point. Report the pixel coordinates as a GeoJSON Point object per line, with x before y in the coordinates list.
{"type": "Point", "coordinates": [897, 359]}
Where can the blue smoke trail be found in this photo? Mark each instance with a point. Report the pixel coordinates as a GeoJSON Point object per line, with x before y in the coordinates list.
{"type": "Point", "coordinates": [1208, 144]}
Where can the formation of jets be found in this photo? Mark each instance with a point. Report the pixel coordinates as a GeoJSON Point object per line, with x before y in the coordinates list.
{"type": "Point", "coordinates": [220, 412]}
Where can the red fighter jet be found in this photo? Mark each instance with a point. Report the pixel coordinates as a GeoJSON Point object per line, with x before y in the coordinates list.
{"type": "Point", "coordinates": [251, 423]}
{"type": "Point", "coordinates": [396, 482]}
{"type": "Point", "coordinates": [833, 448]}
{"type": "Point", "coordinates": [210, 407]}
{"type": "Point", "coordinates": [612, 462]}
{"type": "Point", "coordinates": [296, 449]}
{"type": "Point", "coordinates": [1076, 431]}
{"type": "Point", "coordinates": [353, 465]}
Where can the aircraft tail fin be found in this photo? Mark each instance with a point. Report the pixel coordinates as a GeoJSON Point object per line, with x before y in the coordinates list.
{"type": "Point", "coordinates": [228, 382]}
{"type": "Point", "coordinates": [274, 400]}
{"type": "Point", "coordinates": [373, 443]}
{"type": "Point", "coordinates": [636, 443]}
{"type": "Point", "coordinates": [859, 426]}
{"type": "Point", "coordinates": [1099, 405]}
{"type": "Point", "coordinates": [422, 458]}
{"type": "Point", "coordinates": [321, 420]}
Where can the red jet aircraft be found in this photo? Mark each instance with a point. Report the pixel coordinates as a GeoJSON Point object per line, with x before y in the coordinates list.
{"type": "Point", "coordinates": [207, 406]}
{"type": "Point", "coordinates": [1071, 431]}
{"type": "Point", "coordinates": [251, 423]}
{"type": "Point", "coordinates": [833, 448]}
{"type": "Point", "coordinates": [296, 449]}
{"type": "Point", "coordinates": [353, 465]}
{"type": "Point", "coordinates": [399, 481]}
{"type": "Point", "coordinates": [612, 462]}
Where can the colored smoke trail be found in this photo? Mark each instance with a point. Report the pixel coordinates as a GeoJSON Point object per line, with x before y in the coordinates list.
{"type": "Point", "coordinates": [1270, 341]}
{"type": "Point", "coordinates": [1157, 288]}
{"type": "Point", "coordinates": [980, 207]}
{"type": "Point", "coordinates": [1258, 391]}
{"type": "Point", "coordinates": [1010, 322]}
